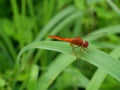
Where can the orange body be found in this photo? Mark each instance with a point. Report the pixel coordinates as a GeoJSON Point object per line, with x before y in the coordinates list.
{"type": "Point", "coordinates": [76, 41]}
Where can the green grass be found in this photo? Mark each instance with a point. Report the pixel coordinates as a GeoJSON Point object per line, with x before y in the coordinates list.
{"type": "Point", "coordinates": [29, 60]}
{"type": "Point", "coordinates": [100, 59]}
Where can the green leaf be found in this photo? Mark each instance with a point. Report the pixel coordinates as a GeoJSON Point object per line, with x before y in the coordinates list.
{"type": "Point", "coordinates": [102, 32]}
{"type": "Point", "coordinates": [72, 77]}
{"type": "Point", "coordinates": [104, 61]}
{"type": "Point", "coordinates": [113, 6]}
{"type": "Point", "coordinates": [100, 75]}
{"type": "Point", "coordinates": [98, 58]}
{"type": "Point", "coordinates": [33, 77]}
{"type": "Point", "coordinates": [55, 68]}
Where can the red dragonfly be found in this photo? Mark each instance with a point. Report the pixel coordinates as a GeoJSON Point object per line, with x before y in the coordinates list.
{"type": "Point", "coordinates": [73, 41]}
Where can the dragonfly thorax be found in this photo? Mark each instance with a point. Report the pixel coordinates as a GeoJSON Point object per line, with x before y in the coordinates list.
{"type": "Point", "coordinates": [77, 41]}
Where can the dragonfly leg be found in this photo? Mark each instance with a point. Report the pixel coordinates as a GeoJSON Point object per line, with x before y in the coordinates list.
{"type": "Point", "coordinates": [82, 50]}
{"type": "Point", "coordinates": [73, 50]}
{"type": "Point", "coordinates": [86, 49]}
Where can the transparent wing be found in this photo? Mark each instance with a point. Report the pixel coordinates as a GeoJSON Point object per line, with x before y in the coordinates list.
{"type": "Point", "coordinates": [94, 36]}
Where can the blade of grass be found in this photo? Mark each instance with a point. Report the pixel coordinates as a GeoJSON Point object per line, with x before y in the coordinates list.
{"type": "Point", "coordinates": [104, 61]}
{"type": "Point", "coordinates": [17, 21]}
{"type": "Point", "coordinates": [55, 68]}
{"type": "Point", "coordinates": [104, 44]}
{"type": "Point", "coordinates": [30, 82]}
{"type": "Point", "coordinates": [66, 21]}
{"type": "Point", "coordinates": [31, 8]}
{"type": "Point", "coordinates": [32, 14]}
{"type": "Point", "coordinates": [9, 44]}
{"type": "Point", "coordinates": [5, 57]}
{"type": "Point", "coordinates": [113, 6]}
{"type": "Point", "coordinates": [45, 11]}
{"type": "Point", "coordinates": [78, 27]}
{"type": "Point", "coordinates": [23, 8]}
{"type": "Point", "coordinates": [80, 79]}
{"type": "Point", "coordinates": [51, 8]}
{"type": "Point", "coordinates": [100, 75]}
{"type": "Point", "coordinates": [96, 57]}
{"type": "Point", "coordinates": [102, 32]}
{"type": "Point", "coordinates": [46, 45]}
{"type": "Point", "coordinates": [33, 77]}
{"type": "Point", "coordinates": [97, 80]}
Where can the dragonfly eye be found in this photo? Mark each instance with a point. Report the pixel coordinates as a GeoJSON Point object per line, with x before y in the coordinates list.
{"type": "Point", "coordinates": [85, 44]}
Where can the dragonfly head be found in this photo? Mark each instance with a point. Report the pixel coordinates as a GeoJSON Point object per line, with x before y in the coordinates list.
{"type": "Point", "coordinates": [85, 44]}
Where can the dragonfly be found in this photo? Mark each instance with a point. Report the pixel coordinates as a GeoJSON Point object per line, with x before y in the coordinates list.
{"type": "Point", "coordinates": [78, 40]}
{"type": "Point", "coordinates": [73, 41]}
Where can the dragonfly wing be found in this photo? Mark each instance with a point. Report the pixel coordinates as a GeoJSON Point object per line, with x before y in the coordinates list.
{"type": "Point", "coordinates": [94, 36]}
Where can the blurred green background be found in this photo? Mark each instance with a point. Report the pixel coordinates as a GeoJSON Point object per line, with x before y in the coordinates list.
{"type": "Point", "coordinates": [26, 24]}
